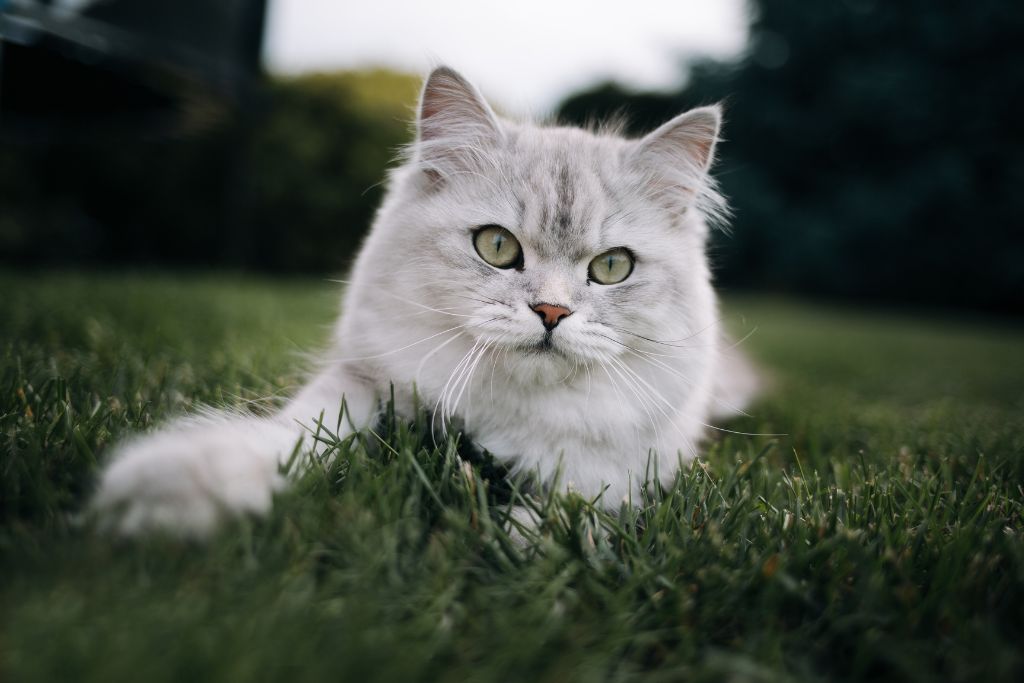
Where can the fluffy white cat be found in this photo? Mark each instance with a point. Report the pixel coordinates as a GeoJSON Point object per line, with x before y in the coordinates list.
{"type": "Point", "coordinates": [545, 288]}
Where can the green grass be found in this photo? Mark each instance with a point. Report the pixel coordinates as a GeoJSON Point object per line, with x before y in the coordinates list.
{"type": "Point", "coordinates": [880, 539]}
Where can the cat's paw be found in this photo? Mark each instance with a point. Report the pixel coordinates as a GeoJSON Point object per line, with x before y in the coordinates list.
{"type": "Point", "coordinates": [187, 479]}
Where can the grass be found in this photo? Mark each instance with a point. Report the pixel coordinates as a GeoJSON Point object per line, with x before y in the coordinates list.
{"type": "Point", "coordinates": [880, 539]}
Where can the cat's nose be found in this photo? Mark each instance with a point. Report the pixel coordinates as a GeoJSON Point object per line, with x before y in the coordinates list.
{"type": "Point", "coordinates": [551, 314]}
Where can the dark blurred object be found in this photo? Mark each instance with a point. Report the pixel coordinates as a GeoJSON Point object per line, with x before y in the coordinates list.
{"type": "Point", "coordinates": [873, 150]}
{"type": "Point", "coordinates": [79, 68]}
{"type": "Point", "coordinates": [145, 133]}
{"type": "Point", "coordinates": [118, 117]}
{"type": "Point", "coordinates": [317, 166]}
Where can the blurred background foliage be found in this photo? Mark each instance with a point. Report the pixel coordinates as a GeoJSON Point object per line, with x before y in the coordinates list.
{"type": "Point", "coordinates": [290, 184]}
{"type": "Point", "coordinates": [873, 151]}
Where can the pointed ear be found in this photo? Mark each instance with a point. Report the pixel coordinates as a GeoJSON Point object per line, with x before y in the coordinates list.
{"type": "Point", "coordinates": [686, 143]}
{"type": "Point", "coordinates": [451, 108]}
{"type": "Point", "coordinates": [675, 160]}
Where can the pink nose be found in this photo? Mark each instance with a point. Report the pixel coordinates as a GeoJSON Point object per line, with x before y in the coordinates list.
{"type": "Point", "coordinates": [551, 314]}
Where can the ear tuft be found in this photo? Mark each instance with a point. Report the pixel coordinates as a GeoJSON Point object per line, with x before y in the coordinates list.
{"type": "Point", "coordinates": [688, 139]}
{"type": "Point", "coordinates": [456, 131]}
{"type": "Point", "coordinates": [450, 107]}
{"type": "Point", "coordinates": [676, 159]}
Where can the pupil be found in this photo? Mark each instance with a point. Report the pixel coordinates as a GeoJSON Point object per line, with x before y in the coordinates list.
{"type": "Point", "coordinates": [498, 242]}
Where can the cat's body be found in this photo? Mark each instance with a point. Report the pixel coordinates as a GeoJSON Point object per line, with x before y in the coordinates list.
{"type": "Point", "coordinates": [534, 358]}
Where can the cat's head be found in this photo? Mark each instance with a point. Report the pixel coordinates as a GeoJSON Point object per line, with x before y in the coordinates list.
{"type": "Point", "coordinates": [555, 245]}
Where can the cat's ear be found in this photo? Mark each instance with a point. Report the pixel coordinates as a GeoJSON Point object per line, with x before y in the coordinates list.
{"type": "Point", "coordinates": [675, 160]}
{"type": "Point", "coordinates": [452, 112]}
{"type": "Point", "coordinates": [686, 143]}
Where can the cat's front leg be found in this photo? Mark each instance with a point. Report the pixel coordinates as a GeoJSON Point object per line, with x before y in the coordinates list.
{"type": "Point", "coordinates": [193, 473]}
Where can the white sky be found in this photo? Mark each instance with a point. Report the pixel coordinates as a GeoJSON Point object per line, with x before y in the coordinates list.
{"type": "Point", "coordinates": [525, 54]}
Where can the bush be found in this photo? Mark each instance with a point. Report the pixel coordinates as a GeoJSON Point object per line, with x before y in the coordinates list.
{"type": "Point", "coordinates": [288, 181]}
{"type": "Point", "coordinates": [873, 150]}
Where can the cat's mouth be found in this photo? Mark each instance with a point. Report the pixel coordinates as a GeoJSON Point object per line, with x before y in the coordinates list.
{"type": "Point", "coordinates": [545, 345]}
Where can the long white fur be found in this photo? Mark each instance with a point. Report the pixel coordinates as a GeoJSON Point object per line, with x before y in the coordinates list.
{"type": "Point", "coordinates": [636, 371]}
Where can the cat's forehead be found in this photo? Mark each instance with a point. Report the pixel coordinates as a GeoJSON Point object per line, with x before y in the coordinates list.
{"type": "Point", "coordinates": [567, 185]}
{"type": "Point", "coordinates": [547, 152]}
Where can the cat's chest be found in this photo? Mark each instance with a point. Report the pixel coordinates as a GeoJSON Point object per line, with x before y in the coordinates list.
{"type": "Point", "coordinates": [518, 422]}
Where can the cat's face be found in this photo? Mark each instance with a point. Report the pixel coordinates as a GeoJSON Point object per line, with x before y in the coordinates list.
{"type": "Point", "coordinates": [556, 247]}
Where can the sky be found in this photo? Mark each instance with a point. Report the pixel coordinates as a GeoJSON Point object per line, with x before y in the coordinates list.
{"type": "Point", "coordinates": [526, 55]}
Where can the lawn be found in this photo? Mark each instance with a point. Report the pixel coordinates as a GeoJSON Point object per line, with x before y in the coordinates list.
{"type": "Point", "coordinates": [880, 538]}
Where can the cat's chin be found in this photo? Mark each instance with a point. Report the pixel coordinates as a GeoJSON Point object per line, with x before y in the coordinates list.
{"type": "Point", "coordinates": [543, 362]}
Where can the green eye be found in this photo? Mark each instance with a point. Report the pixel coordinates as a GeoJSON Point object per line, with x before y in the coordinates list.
{"type": "Point", "coordinates": [498, 246]}
{"type": "Point", "coordinates": [611, 267]}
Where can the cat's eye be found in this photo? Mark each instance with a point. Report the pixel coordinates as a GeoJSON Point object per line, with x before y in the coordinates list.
{"type": "Point", "coordinates": [611, 267]}
{"type": "Point", "coordinates": [497, 246]}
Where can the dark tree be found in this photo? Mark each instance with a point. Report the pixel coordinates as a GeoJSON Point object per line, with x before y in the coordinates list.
{"type": "Point", "coordinates": [873, 150]}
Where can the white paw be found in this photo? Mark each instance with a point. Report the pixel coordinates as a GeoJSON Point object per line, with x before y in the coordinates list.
{"type": "Point", "coordinates": [186, 479]}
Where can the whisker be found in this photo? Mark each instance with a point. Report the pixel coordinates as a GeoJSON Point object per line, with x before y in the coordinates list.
{"type": "Point", "coordinates": [731, 431]}
{"type": "Point", "coordinates": [744, 338]}
{"type": "Point", "coordinates": [721, 429]}
{"type": "Point", "coordinates": [671, 342]}
{"type": "Point", "coordinates": [489, 300]}
{"type": "Point", "coordinates": [442, 400]}
{"type": "Point", "coordinates": [468, 381]}
{"type": "Point", "coordinates": [436, 349]}
{"type": "Point", "coordinates": [415, 343]}
{"type": "Point", "coordinates": [443, 311]}
{"type": "Point", "coordinates": [643, 404]}
{"type": "Point", "coordinates": [615, 387]}
{"type": "Point", "coordinates": [644, 356]}
{"type": "Point", "coordinates": [494, 364]}
{"type": "Point", "coordinates": [687, 443]}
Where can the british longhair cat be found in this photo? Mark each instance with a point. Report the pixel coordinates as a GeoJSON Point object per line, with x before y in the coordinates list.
{"type": "Point", "coordinates": [545, 289]}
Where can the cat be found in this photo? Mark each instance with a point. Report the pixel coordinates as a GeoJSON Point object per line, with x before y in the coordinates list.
{"type": "Point", "coordinates": [544, 289]}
